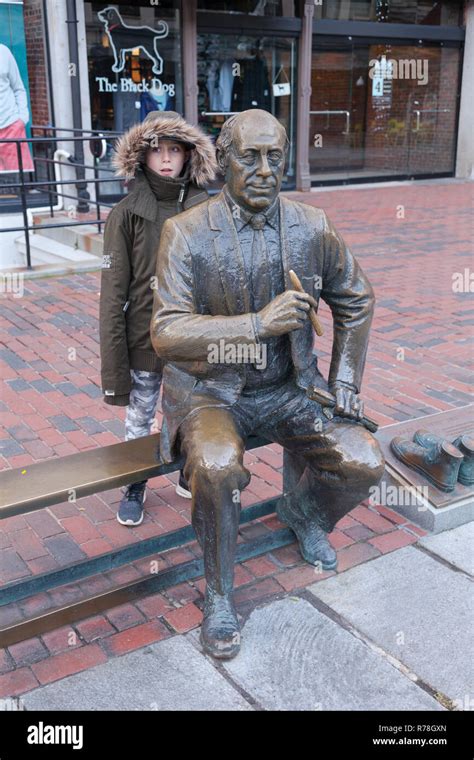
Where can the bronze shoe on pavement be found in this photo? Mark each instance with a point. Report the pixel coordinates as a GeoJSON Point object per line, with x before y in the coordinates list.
{"type": "Point", "coordinates": [465, 444]}
{"type": "Point", "coordinates": [439, 463]}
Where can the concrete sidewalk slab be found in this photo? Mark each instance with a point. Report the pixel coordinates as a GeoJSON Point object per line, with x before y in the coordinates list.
{"type": "Point", "coordinates": [416, 609]}
{"type": "Point", "coordinates": [455, 546]}
{"type": "Point", "coordinates": [169, 675]}
{"type": "Point", "coordinates": [294, 657]}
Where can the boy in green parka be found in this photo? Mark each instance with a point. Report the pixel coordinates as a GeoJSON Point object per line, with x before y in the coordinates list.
{"type": "Point", "coordinates": [170, 162]}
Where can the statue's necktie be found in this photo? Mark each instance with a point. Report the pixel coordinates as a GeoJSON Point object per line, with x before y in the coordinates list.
{"type": "Point", "coordinates": [260, 268]}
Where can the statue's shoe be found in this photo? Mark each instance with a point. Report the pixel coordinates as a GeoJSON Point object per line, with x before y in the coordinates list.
{"type": "Point", "coordinates": [220, 630]}
{"type": "Point", "coordinates": [313, 540]}
{"type": "Point", "coordinates": [439, 463]}
{"type": "Point", "coordinates": [465, 444]}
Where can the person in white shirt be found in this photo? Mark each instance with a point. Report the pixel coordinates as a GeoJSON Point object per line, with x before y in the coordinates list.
{"type": "Point", "coordinates": [14, 114]}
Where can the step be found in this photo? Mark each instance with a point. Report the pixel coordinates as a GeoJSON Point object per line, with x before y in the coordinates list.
{"type": "Point", "coordinates": [85, 237]}
{"type": "Point", "coordinates": [45, 250]}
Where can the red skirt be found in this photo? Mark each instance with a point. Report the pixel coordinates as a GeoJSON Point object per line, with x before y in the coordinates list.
{"type": "Point", "coordinates": [9, 152]}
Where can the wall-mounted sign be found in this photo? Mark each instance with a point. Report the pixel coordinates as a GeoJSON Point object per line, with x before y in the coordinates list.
{"type": "Point", "coordinates": [15, 107]}
{"type": "Point", "coordinates": [125, 84]}
{"type": "Point", "coordinates": [124, 38]}
{"type": "Point", "coordinates": [134, 61]}
{"type": "Point", "coordinates": [281, 88]}
{"type": "Point", "coordinates": [381, 73]}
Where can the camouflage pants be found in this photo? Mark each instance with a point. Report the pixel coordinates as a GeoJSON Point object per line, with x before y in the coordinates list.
{"type": "Point", "coordinates": [143, 402]}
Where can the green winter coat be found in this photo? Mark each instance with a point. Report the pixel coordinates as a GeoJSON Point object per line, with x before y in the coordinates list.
{"type": "Point", "coordinates": [131, 239]}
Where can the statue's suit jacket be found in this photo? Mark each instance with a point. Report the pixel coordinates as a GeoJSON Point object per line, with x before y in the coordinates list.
{"type": "Point", "coordinates": [201, 297]}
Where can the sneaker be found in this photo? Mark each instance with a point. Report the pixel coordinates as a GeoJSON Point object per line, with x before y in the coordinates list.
{"type": "Point", "coordinates": [182, 489]}
{"type": "Point", "coordinates": [131, 505]}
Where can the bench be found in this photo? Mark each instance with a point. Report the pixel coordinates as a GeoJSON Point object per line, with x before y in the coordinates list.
{"type": "Point", "coordinates": [54, 481]}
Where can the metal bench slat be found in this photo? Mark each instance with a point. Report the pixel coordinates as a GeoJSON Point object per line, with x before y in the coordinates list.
{"type": "Point", "coordinates": [35, 486]}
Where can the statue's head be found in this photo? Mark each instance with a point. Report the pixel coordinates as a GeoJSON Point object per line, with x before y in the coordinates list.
{"type": "Point", "coordinates": [251, 153]}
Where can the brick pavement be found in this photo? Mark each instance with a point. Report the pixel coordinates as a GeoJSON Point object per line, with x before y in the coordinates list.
{"type": "Point", "coordinates": [51, 405]}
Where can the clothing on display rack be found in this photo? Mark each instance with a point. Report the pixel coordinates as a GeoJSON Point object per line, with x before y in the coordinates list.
{"type": "Point", "coordinates": [252, 87]}
{"type": "Point", "coordinates": [220, 82]}
{"type": "Point", "coordinates": [149, 101]}
{"type": "Point", "coordinates": [126, 112]}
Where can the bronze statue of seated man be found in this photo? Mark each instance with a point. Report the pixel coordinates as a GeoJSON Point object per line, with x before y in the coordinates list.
{"type": "Point", "coordinates": [238, 346]}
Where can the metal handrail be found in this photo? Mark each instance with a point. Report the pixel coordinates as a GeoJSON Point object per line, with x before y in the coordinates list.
{"type": "Point", "coordinates": [51, 139]}
{"type": "Point", "coordinates": [419, 111]}
{"type": "Point", "coordinates": [348, 118]}
{"type": "Point", "coordinates": [59, 224]}
{"type": "Point", "coordinates": [48, 182]}
{"type": "Point", "coordinates": [82, 197]}
{"type": "Point", "coordinates": [96, 132]}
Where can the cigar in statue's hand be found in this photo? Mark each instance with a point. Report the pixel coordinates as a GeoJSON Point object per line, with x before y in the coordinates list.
{"type": "Point", "coordinates": [312, 314]}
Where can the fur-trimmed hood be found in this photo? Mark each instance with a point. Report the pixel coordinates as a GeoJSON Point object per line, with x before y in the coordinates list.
{"type": "Point", "coordinates": [131, 147]}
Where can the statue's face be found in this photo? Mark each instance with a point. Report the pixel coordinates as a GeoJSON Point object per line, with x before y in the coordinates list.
{"type": "Point", "coordinates": [256, 160]}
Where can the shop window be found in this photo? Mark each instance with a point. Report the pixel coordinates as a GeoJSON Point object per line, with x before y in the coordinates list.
{"type": "Point", "coordinates": [15, 107]}
{"type": "Point", "coordinates": [433, 12]}
{"type": "Point", "coordinates": [134, 55]}
{"type": "Point", "coordinates": [382, 110]}
{"type": "Point", "coordinates": [289, 8]}
{"type": "Point", "coordinates": [240, 72]}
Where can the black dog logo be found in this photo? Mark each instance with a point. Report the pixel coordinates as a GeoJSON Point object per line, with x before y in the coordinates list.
{"type": "Point", "coordinates": [123, 38]}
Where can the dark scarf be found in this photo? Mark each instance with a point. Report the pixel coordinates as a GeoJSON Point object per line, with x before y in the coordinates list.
{"type": "Point", "coordinates": [165, 188]}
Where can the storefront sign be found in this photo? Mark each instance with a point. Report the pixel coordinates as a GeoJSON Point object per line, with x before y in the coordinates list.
{"type": "Point", "coordinates": [381, 73]}
{"type": "Point", "coordinates": [15, 107]}
{"type": "Point", "coordinates": [126, 84]}
{"type": "Point", "coordinates": [120, 42]}
{"type": "Point", "coordinates": [281, 89]}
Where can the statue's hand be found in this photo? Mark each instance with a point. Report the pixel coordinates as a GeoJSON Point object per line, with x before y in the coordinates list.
{"type": "Point", "coordinates": [348, 402]}
{"type": "Point", "coordinates": [287, 311]}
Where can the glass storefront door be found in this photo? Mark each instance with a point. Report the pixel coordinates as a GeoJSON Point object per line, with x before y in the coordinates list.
{"type": "Point", "coordinates": [238, 72]}
{"type": "Point", "coordinates": [134, 56]}
{"type": "Point", "coordinates": [266, 8]}
{"type": "Point", "coordinates": [432, 12]}
{"type": "Point", "coordinates": [382, 109]}
{"type": "Point", "coordinates": [12, 38]}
